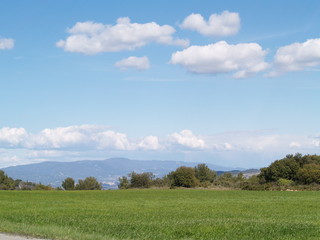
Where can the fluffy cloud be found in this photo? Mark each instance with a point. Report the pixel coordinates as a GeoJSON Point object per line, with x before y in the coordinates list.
{"type": "Point", "coordinates": [244, 59]}
{"type": "Point", "coordinates": [150, 143]}
{"type": "Point", "coordinates": [12, 137]}
{"type": "Point", "coordinates": [297, 56]}
{"type": "Point", "coordinates": [224, 24]}
{"type": "Point", "coordinates": [82, 137]}
{"type": "Point", "coordinates": [6, 43]}
{"type": "Point", "coordinates": [93, 38]}
{"type": "Point", "coordinates": [139, 63]}
{"type": "Point", "coordinates": [187, 139]}
{"type": "Point", "coordinates": [112, 140]}
{"type": "Point", "coordinates": [63, 137]}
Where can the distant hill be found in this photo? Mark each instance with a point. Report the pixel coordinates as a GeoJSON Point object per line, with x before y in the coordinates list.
{"type": "Point", "coordinates": [106, 171]}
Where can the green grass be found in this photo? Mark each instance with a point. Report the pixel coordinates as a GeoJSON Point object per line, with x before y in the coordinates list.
{"type": "Point", "coordinates": [161, 214]}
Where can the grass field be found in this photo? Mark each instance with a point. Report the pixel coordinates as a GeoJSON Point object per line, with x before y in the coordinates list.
{"type": "Point", "coordinates": [161, 214]}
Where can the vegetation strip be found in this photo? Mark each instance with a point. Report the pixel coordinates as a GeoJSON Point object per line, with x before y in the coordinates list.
{"type": "Point", "coordinates": [294, 172]}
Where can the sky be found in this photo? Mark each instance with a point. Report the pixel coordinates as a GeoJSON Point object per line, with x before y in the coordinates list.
{"type": "Point", "coordinates": [232, 83]}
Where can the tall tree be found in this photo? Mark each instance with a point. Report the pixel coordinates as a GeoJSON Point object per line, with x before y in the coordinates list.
{"type": "Point", "coordinates": [204, 173]}
{"type": "Point", "coordinates": [68, 184]}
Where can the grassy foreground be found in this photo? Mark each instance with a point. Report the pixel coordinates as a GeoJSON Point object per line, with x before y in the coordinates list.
{"type": "Point", "coordinates": [161, 214]}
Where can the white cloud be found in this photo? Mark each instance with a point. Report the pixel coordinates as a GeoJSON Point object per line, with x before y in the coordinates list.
{"type": "Point", "coordinates": [6, 43]}
{"type": "Point", "coordinates": [187, 139]}
{"type": "Point", "coordinates": [296, 57]}
{"type": "Point", "coordinates": [150, 143]}
{"type": "Point", "coordinates": [92, 38]}
{"type": "Point", "coordinates": [139, 63]}
{"type": "Point", "coordinates": [295, 144]}
{"type": "Point", "coordinates": [224, 24]}
{"type": "Point", "coordinates": [12, 137]}
{"type": "Point", "coordinates": [83, 137]}
{"type": "Point", "coordinates": [77, 137]}
{"type": "Point", "coordinates": [112, 140]}
{"type": "Point", "coordinates": [244, 59]}
{"type": "Point", "coordinates": [63, 137]}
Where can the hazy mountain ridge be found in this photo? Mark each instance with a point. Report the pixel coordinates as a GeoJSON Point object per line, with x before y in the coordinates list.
{"type": "Point", "coordinates": [106, 171]}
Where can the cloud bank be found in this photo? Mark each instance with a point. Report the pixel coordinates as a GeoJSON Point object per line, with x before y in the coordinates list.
{"type": "Point", "coordinates": [92, 137]}
{"type": "Point", "coordinates": [18, 146]}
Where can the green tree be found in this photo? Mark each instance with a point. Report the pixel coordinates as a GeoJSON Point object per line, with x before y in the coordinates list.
{"type": "Point", "coordinates": [204, 174]}
{"type": "Point", "coordinates": [6, 183]}
{"type": "Point", "coordinates": [160, 182]}
{"type": "Point", "coordinates": [90, 183]}
{"type": "Point", "coordinates": [68, 184]}
{"type": "Point", "coordinates": [310, 173]}
{"type": "Point", "coordinates": [225, 180]}
{"type": "Point", "coordinates": [141, 180]}
{"type": "Point", "coordinates": [184, 177]}
{"type": "Point", "coordinates": [253, 183]}
{"type": "Point", "coordinates": [124, 183]}
{"type": "Point", "coordinates": [286, 168]}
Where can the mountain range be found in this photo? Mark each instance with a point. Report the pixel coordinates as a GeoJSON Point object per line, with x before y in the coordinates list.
{"type": "Point", "coordinates": [106, 171]}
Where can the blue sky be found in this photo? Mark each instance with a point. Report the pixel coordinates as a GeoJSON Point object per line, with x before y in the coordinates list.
{"type": "Point", "coordinates": [234, 83]}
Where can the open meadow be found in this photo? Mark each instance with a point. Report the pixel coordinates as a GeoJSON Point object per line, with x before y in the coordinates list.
{"type": "Point", "coordinates": [161, 214]}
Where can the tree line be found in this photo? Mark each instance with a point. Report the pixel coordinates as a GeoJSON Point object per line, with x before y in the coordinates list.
{"type": "Point", "coordinates": [185, 177]}
{"type": "Point", "coordinates": [8, 183]}
{"type": "Point", "coordinates": [296, 172]}
{"type": "Point", "coordinates": [89, 183]}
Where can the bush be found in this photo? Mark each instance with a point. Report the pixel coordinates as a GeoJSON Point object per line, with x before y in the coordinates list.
{"type": "Point", "coordinates": [253, 183]}
{"type": "Point", "coordinates": [184, 177]}
{"type": "Point", "coordinates": [284, 183]}
{"type": "Point", "coordinates": [90, 183]}
{"type": "Point", "coordinates": [141, 180]}
{"type": "Point", "coordinates": [42, 187]}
